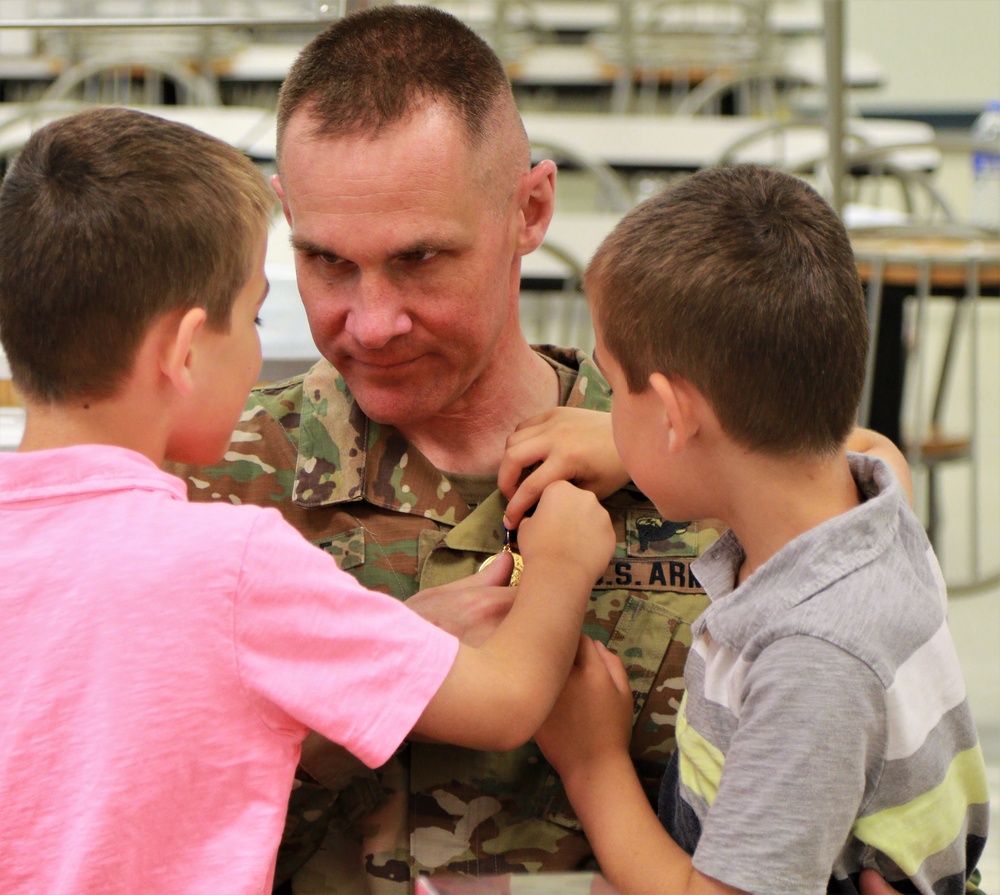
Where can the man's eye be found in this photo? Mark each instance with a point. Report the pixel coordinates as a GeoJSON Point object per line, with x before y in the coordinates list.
{"type": "Point", "coordinates": [419, 255]}
{"type": "Point", "coordinates": [258, 321]}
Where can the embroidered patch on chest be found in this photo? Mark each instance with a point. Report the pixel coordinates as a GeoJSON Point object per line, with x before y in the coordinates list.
{"type": "Point", "coordinates": [650, 574]}
{"type": "Point", "coordinates": [647, 534]}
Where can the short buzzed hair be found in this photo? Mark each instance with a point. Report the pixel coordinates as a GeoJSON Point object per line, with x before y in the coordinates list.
{"type": "Point", "coordinates": [109, 219]}
{"type": "Point", "coordinates": [375, 67]}
{"type": "Point", "coordinates": [742, 281]}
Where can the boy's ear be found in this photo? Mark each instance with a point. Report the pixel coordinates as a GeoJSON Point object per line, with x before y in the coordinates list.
{"type": "Point", "coordinates": [180, 346]}
{"type": "Point", "coordinates": [537, 205]}
{"type": "Point", "coordinates": [679, 411]}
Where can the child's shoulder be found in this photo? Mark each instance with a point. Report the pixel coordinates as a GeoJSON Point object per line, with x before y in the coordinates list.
{"type": "Point", "coordinates": [867, 582]}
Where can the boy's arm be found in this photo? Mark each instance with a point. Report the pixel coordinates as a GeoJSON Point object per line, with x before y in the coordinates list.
{"type": "Point", "coordinates": [576, 445]}
{"type": "Point", "coordinates": [496, 695]}
{"type": "Point", "coordinates": [567, 443]}
{"type": "Point", "coordinates": [586, 739]}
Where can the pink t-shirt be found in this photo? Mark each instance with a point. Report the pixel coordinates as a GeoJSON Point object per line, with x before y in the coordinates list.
{"type": "Point", "coordinates": [161, 663]}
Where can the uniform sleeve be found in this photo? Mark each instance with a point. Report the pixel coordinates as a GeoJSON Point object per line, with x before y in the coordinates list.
{"type": "Point", "coordinates": [808, 749]}
{"type": "Point", "coordinates": [315, 648]}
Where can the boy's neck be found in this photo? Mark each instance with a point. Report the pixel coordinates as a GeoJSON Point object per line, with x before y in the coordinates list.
{"type": "Point", "coordinates": [108, 422]}
{"type": "Point", "coordinates": [773, 500]}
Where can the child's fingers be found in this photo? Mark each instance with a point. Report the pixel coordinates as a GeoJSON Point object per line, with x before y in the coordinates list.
{"type": "Point", "coordinates": [496, 574]}
{"type": "Point", "coordinates": [615, 667]}
{"type": "Point", "coordinates": [528, 493]}
{"type": "Point", "coordinates": [523, 427]}
{"type": "Point", "coordinates": [516, 459]}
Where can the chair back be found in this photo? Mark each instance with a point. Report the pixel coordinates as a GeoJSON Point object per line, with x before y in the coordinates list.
{"type": "Point", "coordinates": [932, 277]}
{"type": "Point", "coordinates": [664, 48]}
{"type": "Point", "coordinates": [608, 190]}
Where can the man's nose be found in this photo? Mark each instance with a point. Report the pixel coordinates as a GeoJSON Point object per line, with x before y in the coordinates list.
{"type": "Point", "coordinates": [377, 315]}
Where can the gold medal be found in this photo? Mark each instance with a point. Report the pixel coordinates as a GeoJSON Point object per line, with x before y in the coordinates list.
{"type": "Point", "coordinates": [509, 546]}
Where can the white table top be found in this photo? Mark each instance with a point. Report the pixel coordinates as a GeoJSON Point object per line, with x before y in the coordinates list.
{"type": "Point", "coordinates": [570, 65]}
{"type": "Point", "coordinates": [686, 143]}
{"type": "Point", "coordinates": [661, 142]}
{"type": "Point", "coordinates": [240, 126]}
{"type": "Point", "coordinates": [258, 61]}
{"type": "Point", "coordinates": [788, 18]}
{"type": "Point", "coordinates": [649, 142]}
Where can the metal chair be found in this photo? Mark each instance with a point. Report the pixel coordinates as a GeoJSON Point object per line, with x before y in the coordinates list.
{"type": "Point", "coordinates": [609, 190]}
{"type": "Point", "coordinates": [915, 186]}
{"type": "Point", "coordinates": [129, 80]}
{"type": "Point", "coordinates": [935, 273]}
{"type": "Point", "coordinates": [780, 144]}
{"type": "Point", "coordinates": [510, 27]}
{"type": "Point", "coordinates": [663, 48]}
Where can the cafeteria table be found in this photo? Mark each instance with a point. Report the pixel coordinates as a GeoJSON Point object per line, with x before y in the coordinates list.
{"type": "Point", "coordinates": [673, 143]}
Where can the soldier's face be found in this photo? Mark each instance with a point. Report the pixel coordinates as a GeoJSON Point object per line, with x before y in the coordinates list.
{"type": "Point", "coordinates": [407, 270]}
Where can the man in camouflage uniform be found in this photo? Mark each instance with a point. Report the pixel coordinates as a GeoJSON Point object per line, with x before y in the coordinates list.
{"type": "Point", "coordinates": [405, 174]}
{"type": "Point", "coordinates": [398, 524]}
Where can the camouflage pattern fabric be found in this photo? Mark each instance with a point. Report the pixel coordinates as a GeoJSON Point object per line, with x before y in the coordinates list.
{"type": "Point", "coordinates": [359, 491]}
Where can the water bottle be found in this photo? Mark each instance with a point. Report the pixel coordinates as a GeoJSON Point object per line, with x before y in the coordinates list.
{"type": "Point", "coordinates": [986, 169]}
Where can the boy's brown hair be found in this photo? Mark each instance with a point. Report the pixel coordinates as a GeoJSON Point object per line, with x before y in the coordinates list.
{"type": "Point", "coordinates": [741, 281]}
{"type": "Point", "coordinates": [110, 218]}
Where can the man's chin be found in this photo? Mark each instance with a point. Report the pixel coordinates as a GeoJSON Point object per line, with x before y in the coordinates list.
{"type": "Point", "coordinates": [396, 407]}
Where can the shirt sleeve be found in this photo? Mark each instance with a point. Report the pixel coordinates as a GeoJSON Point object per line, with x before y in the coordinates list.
{"type": "Point", "coordinates": [315, 648]}
{"type": "Point", "coordinates": [808, 749]}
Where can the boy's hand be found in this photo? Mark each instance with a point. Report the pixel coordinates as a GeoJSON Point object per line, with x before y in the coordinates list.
{"type": "Point", "coordinates": [570, 532]}
{"type": "Point", "coordinates": [472, 607]}
{"type": "Point", "coordinates": [873, 884]}
{"type": "Point", "coordinates": [567, 443]}
{"type": "Point", "coordinates": [592, 719]}
{"type": "Point", "coordinates": [866, 441]}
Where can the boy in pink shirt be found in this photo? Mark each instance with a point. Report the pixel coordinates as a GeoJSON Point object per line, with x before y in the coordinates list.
{"type": "Point", "coordinates": [161, 665]}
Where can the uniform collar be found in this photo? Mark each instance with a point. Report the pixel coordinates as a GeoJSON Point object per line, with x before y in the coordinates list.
{"type": "Point", "coordinates": [343, 456]}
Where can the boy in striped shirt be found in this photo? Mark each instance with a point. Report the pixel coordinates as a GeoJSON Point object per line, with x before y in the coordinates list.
{"type": "Point", "coordinates": [825, 729]}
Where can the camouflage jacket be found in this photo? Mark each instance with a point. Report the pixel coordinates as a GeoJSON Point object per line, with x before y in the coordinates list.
{"type": "Point", "coordinates": [358, 490]}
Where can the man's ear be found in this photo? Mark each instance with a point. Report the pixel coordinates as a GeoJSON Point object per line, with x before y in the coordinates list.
{"type": "Point", "coordinates": [276, 186]}
{"type": "Point", "coordinates": [180, 346]}
{"type": "Point", "coordinates": [679, 410]}
{"type": "Point", "coordinates": [538, 191]}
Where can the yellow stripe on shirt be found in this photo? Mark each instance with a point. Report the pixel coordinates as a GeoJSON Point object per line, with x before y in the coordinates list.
{"type": "Point", "coordinates": [911, 833]}
{"type": "Point", "coordinates": [700, 762]}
